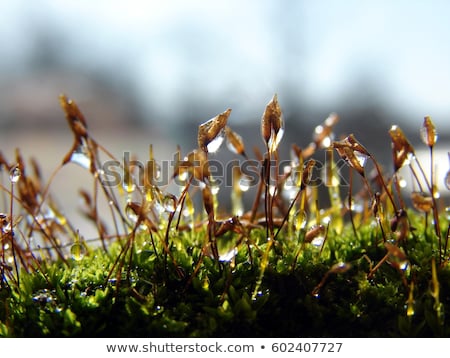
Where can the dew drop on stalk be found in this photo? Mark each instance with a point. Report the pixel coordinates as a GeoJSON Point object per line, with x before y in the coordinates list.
{"type": "Point", "coordinates": [131, 214]}
{"type": "Point", "coordinates": [244, 185]}
{"type": "Point", "coordinates": [403, 265]}
{"type": "Point", "coordinates": [215, 187]}
{"type": "Point", "coordinates": [77, 251]}
{"type": "Point", "coordinates": [402, 182]}
{"type": "Point", "coordinates": [301, 219]}
{"type": "Point", "coordinates": [318, 240]}
{"type": "Point", "coordinates": [169, 203]}
{"type": "Point", "coordinates": [14, 174]}
{"type": "Point", "coordinates": [81, 156]}
{"type": "Point", "coordinates": [229, 255]}
{"type": "Point", "coordinates": [214, 145]}
{"type": "Point", "coordinates": [362, 158]}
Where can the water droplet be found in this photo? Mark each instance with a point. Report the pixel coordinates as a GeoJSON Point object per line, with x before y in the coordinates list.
{"type": "Point", "coordinates": [301, 219]}
{"type": "Point", "coordinates": [170, 203]}
{"type": "Point", "coordinates": [215, 144]}
{"type": "Point", "coordinates": [362, 158]}
{"type": "Point", "coordinates": [272, 190]}
{"type": "Point", "coordinates": [183, 174]}
{"type": "Point", "coordinates": [131, 213]}
{"type": "Point", "coordinates": [244, 185]}
{"type": "Point", "coordinates": [402, 182]}
{"type": "Point", "coordinates": [215, 187]}
{"type": "Point", "coordinates": [410, 309]}
{"type": "Point", "coordinates": [228, 256]}
{"type": "Point", "coordinates": [14, 174]}
{"type": "Point", "coordinates": [326, 220]}
{"type": "Point", "coordinates": [77, 251]}
{"type": "Point", "coordinates": [45, 299]}
{"type": "Point", "coordinates": [318, 240]}
{"type": "Point", "coordinates": [81, 156]}
{"type": "Point", "coordinates": [129, 186]}
{"type": "Point", "coordinates": [316, 292]}
{"type": "Point", "coordinates": [403, 265]}
{"type": "Point", "coordinates": [275, 139]}
{"type": "Point", "coordinates": [234, 141]}
{"type": "Point", "coordinates": [357, 205]}
{"type": "Point", "coordinates": [340, 267]}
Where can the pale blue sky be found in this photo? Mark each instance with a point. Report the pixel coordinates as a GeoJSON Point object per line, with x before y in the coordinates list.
{"type": "Point", "coordinates": [238, 53]}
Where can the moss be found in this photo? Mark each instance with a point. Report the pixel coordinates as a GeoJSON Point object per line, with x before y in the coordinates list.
{"type": "Point", "coordinates": [285, 268]}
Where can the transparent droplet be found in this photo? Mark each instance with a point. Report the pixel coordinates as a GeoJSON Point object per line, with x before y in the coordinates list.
{"type": "Point", "coordinates": [131, 214]}
{"type": "Point", "coordinates": [244, 185]}
{"type": "Point", "coordinates": [14, 174]}
{"type": "Point", "coordinates": [410, 309]}
{"type": "Point", "coordinates": [157, 172]}
{"type": "Point", "coordinates": [272, 190]}
{"type": "Point", "coordinates": [129, 186]}
{"type": "Point", "coordinates": [45, 298]}
{"type": "Point", "coordinates": [316, 292]}
{"type": "Point", "coordinates": [228, 256]}
{"type": "Point", "coordinates": [183, 175]}
{"type": "Point", "coordinates": [215, 187]}
{"type": "Point", "coordinates": [326, 220]}
{"type": "Point", "coordinates": [301, 219]}
{"type": "Point", "coordinates": [77, 251]}
{"type": "Point", "coordinates": [81, 157]}
{"type": "Point", "coordinates": [402, 182]}
{"type": "Point", "coordinates": [169, 203]}
{"type": "Point", "coordinates": [362, 158]}
{"type": "Point", "coordinates": [403, 265]}
{"type": "Point", "coordinates": [356, 206]}
{"type": "Point", "coordinates": [275, 139]}
{"type": "Point", "coordinates": [318, 240]}
{"type": "Point", "coordinates": [215, 144]}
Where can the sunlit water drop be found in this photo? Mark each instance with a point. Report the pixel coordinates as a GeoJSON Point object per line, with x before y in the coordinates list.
{"type": "Point", "coordinates": [77, 251]}
{"type": "Point", "coordinates": [169, 203]}
{"type": "Point", "coordinates": [228, 256]}
{"type": "Point", "coordinates": [244, 185]}
{"type": "Point", "coordinates": [215, 144]}
{"type": "Point", "coordinates": [318, 240]}
{"type": "Point", "coordinates": [129, 186]}
{"type": "Point", "coordinates": [14, 174]}
{"type": "Point", "coordinates": [81, 157]}
{"type": "Point", "coordinates": [362, 158]}
{"type": "Point", "coordinates": [301, 219]}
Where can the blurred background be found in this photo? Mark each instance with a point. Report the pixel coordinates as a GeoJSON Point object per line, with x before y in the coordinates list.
{"type": "Point", "coordinates": [150, 71]}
